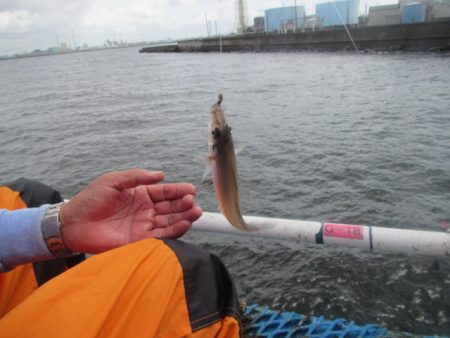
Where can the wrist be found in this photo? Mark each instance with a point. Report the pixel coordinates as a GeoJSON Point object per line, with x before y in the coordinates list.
{"type": "Point", "coordinates": [52, 231]}
{"type": "Point", "coordinates": [64, 219]}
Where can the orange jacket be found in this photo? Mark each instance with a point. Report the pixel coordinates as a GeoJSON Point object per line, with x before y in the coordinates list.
{"type": "Point", "coordinates": [151, 288]}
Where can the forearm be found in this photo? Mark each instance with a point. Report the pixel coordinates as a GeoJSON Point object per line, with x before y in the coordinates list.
{"type": "Point", "coordinates": [21, 238]}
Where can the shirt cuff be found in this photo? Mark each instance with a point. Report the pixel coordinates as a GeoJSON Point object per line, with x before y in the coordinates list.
{"type": "Point", "coordinates": [21, 238]}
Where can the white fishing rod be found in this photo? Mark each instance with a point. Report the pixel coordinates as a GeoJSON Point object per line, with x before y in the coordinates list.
{"type": "Point", "coordinates": [429, 243]}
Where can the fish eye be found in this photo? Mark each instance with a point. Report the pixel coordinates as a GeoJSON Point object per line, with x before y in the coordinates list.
{"type": "Point", "coordinates": [216, 133]}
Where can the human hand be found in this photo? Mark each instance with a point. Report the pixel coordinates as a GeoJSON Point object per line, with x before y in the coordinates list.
{"type": "Point", "coordinates": [126, 206]}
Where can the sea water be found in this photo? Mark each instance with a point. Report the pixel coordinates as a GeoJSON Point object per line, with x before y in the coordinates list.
{"type": "Point", "coordinates": [340, 137]}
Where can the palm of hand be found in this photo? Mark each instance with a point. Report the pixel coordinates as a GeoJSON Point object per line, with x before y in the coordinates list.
{"type": "Point", "coordinates": [109, 215]}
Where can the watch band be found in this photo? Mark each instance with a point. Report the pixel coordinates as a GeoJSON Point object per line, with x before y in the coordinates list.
{"type": "Point", "coordinates": [51, 232]}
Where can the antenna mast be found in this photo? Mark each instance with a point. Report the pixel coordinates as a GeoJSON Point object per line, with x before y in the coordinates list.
{"type": "Point", "coordinates": [241, 16]}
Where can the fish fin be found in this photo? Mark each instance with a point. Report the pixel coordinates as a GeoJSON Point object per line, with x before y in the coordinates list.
{"type": "Point", "coordinates": [239, 149]}
{"type": "Point", "coordinates": [206, 164]}
{"type": "Point", "coordinates": [200, 159]}
{"type": "Point", "coordinates": [206, 173]}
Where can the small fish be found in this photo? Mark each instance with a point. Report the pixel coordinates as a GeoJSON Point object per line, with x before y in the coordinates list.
{"type": "Point", "coordinates": [222, 160]}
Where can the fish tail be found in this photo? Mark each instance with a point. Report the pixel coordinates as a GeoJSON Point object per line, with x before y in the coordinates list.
{"type": "Point", "coordinates": [247, 227]}
{"type": "Point", "coordinates": [242, 225]}
{"type": "Point", "coordinates": [220, 99]}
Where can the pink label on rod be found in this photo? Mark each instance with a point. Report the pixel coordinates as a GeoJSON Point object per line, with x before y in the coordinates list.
{"type": "Point", "coordinates": [343, 230]}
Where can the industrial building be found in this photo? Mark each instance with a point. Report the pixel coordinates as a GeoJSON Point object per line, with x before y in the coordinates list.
{"type": "Point", "coordinates": [338, 13]}
{"type": "Point", "coordinates": [439, 11]}
{"type": "Point", "coordinates": [384, 15]}
{"type": "Point", "coordinates": [409, 11]}
{"type": "Point", "coordinates": [346, 12]}
{"type": "Point", "coordinates": [312, 22]}
{"type": "Point", "coordinates": [259, 24]}
{"type": "Point", "coordinates": [284, 19]}
{"type": "Point", "coordinates": [415, 12]}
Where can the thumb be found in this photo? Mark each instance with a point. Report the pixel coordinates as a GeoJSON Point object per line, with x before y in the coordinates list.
{"type": "Point", "coordinates": [128, 179]}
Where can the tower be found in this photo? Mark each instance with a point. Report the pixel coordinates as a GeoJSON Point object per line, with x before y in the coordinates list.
{"type": "Point", "coordinates": [241, 16]}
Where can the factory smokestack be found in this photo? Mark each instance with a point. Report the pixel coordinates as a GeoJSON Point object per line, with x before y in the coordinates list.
{"type": "Point", "coordinates": [241, 16]}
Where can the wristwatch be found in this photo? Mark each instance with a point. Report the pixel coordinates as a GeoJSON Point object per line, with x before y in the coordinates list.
{"type": "Point", "coordinates": [51, 232]}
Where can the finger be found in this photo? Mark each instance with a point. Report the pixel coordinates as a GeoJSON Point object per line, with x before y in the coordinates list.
{"type": "Point", "coordinates": [131, 178]}
{"type": "Point", "coordinates": [174, 206]}
{"type": "Point", "coordinates": [174, 231]}
{"type": "Point", "coordinates": [170, 191]}
{"type": "Point", "coordinates": [191, 215]}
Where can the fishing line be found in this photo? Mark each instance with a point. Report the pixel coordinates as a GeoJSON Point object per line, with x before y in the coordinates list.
{"type": "Point", "coordinates": [219, 29]}
{"type": "Point", "coordinates": [221, 62]}
{"type": "Point", "coordinates": [345, 26]}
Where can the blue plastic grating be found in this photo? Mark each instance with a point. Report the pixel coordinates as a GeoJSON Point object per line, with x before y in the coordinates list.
{"type": "Point", "coordinates": [262, 322]}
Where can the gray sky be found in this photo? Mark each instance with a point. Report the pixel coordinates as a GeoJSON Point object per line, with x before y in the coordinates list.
{"type": "Point", "coordinates": [26, 25]}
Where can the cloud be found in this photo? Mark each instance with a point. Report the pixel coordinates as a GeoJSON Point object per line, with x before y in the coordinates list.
{"type": "Point", "coordinates": [133, 14]}
{"type": "Point", "coordinates": [16, 21]}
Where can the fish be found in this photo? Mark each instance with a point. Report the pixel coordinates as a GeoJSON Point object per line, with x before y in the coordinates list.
{"type": "Point", "coordinates": [222, 160]}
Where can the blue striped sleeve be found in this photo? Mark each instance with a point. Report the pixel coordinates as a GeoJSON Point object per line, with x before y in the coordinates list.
{"type": "Point", "coordinates": [21, 237]}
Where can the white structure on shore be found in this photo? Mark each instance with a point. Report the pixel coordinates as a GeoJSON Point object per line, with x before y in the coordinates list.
{"type": "Point", "coordinates": [409, 11]}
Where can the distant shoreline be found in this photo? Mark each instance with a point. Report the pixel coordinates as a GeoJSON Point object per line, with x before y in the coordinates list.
{"type": "Point", "coordinates": [93, 49]}
{"type": "Point", "coordinates": [417, 37]}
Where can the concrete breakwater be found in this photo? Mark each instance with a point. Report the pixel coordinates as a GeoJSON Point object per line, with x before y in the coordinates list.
{"type": "Point", "coordinates": [433, 36]}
